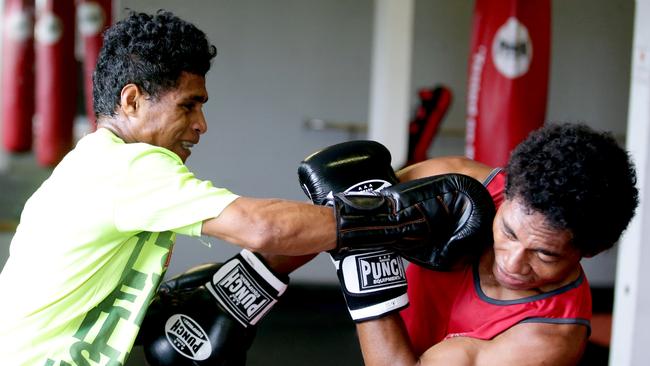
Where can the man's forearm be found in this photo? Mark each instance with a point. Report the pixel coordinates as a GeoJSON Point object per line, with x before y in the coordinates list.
{"type": "Point", "coordinates": [384, 342]}
{"type": "Point", "coordinates": [275, 226]}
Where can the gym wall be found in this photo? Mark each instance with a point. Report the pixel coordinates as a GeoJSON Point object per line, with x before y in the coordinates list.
{"type": "Point", "coordinates": [281, 62]}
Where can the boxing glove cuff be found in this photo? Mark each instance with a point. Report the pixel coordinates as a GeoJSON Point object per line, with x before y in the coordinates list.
{"type": "Point", "coordinates": [373, 283]}
{"type": "Point", "coordinates": [246, 287]}
{"type": "Point", "coordinates": [378, 310]}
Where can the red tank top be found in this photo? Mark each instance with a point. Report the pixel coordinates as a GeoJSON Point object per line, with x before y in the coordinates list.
{"type": "Point", "coordinates": [448, 304]}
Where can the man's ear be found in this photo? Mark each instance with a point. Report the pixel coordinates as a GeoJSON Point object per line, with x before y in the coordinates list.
{"type": "Point", "coordinates": [130, 99]}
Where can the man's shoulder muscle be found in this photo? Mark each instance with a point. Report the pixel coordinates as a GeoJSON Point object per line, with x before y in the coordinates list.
{"type": "Point", "coordinates": [444, 165]}
{"type": "Point", "coordinates": [523, 344]}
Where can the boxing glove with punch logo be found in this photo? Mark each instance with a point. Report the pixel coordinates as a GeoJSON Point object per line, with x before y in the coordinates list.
{"type": "Point", "coordinates": [214, 323]}
{"type": "Point", "coordinates": [373, 281]}
{"type": "Point", "coordinates": [438, 222]}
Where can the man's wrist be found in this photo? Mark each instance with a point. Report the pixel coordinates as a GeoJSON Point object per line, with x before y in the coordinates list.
{"type": "Point", "coordinates": [283, 264]}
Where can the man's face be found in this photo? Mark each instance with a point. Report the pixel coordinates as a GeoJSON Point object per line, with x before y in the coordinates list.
{"type": "Point", "coordinates": [175, 119]}
{"type": "Point", "coordinates": [528, 253]}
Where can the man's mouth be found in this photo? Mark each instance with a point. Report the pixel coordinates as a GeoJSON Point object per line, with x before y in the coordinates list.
{"type": "Point", "coordinates": [187, 145]}
{"type": "Point", "coordinates": [509, 280]}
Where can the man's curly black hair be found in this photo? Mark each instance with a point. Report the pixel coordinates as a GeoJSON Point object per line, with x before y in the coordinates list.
{"type": "Point", "coordinates": [150, 51]}
{"type": "Point", "coordinates": [579, 179]}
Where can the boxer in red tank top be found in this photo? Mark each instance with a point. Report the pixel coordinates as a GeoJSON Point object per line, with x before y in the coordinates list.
{"type": "Point", "coordinates": [465, 310]}
{"type": "Point", "coordinates": [568, 192]}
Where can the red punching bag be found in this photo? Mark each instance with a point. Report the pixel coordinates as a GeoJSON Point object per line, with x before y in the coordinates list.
{"type": "Point", "coordinates": [93, 17]}
{"type": "Point", "coordinates": [17, 75]}
{"type": "Point", "coordinates": [55, 80]}
{"type": "Point", "coordinates": [508, 76]}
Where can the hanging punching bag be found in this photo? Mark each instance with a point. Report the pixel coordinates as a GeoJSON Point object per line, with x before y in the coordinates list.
{"type": "Point", "coordinates": [93, 17]}
{"type": "Point", "coordinates": [56, 80]}
{"type": "Point", "coordinates": [508, 76]}
{"type": "Point", "coordinates": [17, 75]}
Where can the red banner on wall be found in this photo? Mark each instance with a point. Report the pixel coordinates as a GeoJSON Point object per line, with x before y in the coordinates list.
{"type": "Point", "coordinates": [508, 76]}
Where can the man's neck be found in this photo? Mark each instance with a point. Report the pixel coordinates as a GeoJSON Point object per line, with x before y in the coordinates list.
{"type": "Point", "coordinates": [115, 126]}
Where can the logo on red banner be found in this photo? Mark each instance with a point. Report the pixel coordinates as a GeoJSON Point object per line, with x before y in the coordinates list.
{"type": "Point", "coordinates": [512, 49]}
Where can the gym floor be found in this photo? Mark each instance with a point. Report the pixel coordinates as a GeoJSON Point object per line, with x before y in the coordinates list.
{"type": "Point", "coordinates": [309, 325]}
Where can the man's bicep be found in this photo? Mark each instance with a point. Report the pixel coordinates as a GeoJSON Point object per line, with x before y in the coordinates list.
{"type": "Point", "coordinates": [275, 226]}
{"type": "Point", "coordinates": [524, 344]}
{"type": "Point", "coordinates": [232, 224]}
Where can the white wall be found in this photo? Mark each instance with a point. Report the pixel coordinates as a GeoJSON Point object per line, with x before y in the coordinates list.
{"type": "Point", "coordinates": [631, 326]}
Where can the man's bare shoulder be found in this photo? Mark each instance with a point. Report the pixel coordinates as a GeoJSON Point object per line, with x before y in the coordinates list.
{"type": "Point", "coordinates": [523, 344]}
{"type": "Point", "coordinates": [443, 165]}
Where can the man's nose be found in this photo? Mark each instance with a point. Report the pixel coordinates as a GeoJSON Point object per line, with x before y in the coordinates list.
{"type": "Point", "coordinates": [201, 125]}
{"type": "Point", "coordinates": [516, 262]}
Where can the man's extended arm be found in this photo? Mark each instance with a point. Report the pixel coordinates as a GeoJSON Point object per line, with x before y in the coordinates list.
{"type": "Point", "coordinates": [275, 226]}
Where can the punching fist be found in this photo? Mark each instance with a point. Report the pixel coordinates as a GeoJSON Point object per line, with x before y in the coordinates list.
{"type": "Point", "coordinates": [437, 222]}
{"type": "Point", "coordinates": [373, 281]}
{"type": "Point", "coordinates": [215, 323]}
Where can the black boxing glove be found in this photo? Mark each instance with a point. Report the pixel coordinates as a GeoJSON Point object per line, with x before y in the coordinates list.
{"type": "Point", "coordinates": [373, 281]}
{"type": "Point", "coordinates": [213, 324]}
{"type": "Point", "coordinates": [438, 222]}
{"type": "Point", "coordinates": [353, 166]}
{"type": "Point", "coordinates": [189, 280]}
{"type": "Point", "coordinates": [175, 290]}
